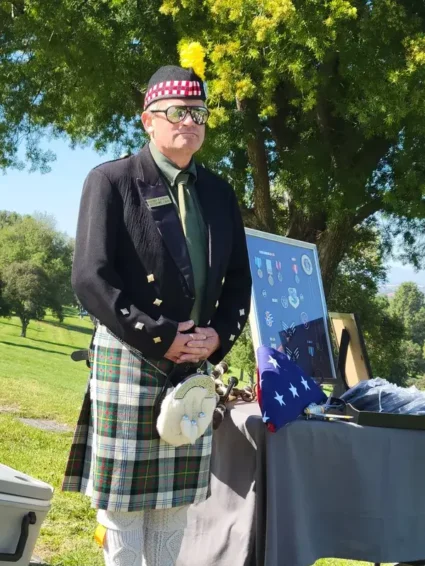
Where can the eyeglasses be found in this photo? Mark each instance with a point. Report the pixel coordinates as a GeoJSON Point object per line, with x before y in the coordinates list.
{"type": "Point", "coordinates": [176, 114]}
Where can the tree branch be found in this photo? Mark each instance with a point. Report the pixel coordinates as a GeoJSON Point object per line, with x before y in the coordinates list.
{"type": "Point", "coordinates": [304, 227]}
{"type": "Point", "coordinates": [249, 218]}
{"type": "Point", "coordinates": [371, 153]}
{"type": "Point", "coordinates": [285, 138]}
{"type": "Point", "coordinates": [367, 210]}
{"type": "Point", "coordinates": [138, 97]}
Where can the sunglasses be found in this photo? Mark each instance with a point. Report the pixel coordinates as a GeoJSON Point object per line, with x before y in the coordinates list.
{"type": "Point", "coordinates": [176, 114]}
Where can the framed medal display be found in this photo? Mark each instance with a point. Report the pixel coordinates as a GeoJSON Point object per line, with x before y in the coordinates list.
{"type": "Point", "coordinates": [289, 310]}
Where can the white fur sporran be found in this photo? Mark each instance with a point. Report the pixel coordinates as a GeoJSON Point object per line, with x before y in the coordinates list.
{"type": "Point", "coordinates": [187, 410]}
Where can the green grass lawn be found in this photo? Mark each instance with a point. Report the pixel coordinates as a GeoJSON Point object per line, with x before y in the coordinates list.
{"type": "Point", "coordinates": [237, 373]}
{"type": "Point", "coordinates": [38, 379]}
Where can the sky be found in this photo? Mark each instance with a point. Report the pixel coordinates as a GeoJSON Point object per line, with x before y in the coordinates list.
{"type": "Point", "coordinates": [58, 194]}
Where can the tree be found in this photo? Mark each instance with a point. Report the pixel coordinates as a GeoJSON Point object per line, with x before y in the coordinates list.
{"type": "Point", "coordinates": [317, 114]}
{"type": "Point", "coordinates": [414, 361]}
{"type": "Point", "coordinates": [409, 305]}
{"type": "Point", "coordinates": [35, 239]}
{"type": "Point", "coordinates": [392, 356]}
{"type": "Point", "coordinates": [359, 274]}
{"type": "Point", "coordinates": [384, 334]}
{"type": "Point", "coordinates": [26, 292]}
{"type": "Point", "coordinates": [418, 327]}
{"type": "Point", "coordinates": [8, 218]}
{"type": "Point", "coordinates": [4, 309]}
{"type": "Point", "coordinates": [34, 245]}
{"type": "Point", "coordinates": [242, 354]}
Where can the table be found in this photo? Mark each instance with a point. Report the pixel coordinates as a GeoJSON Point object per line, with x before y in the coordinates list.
{"type": "Point", "coordinates": [313, 489]}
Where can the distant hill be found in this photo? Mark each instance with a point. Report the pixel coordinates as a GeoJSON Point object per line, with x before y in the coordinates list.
{"type": "Point", "coordinates": [398, 274]}
{"type": "Point", "coordinates": [389, 290]}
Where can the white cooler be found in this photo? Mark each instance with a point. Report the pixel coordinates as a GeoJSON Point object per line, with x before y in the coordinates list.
{"type": "Point", "coordinates": [24, 504]}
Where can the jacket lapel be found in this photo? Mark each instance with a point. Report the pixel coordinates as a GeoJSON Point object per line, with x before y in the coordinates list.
{"type": "Point", "coordinates": [216, 236]}
{"type": "Point", "coordinates": [154, 192]}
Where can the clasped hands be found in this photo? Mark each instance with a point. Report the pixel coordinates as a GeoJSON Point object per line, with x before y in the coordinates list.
{"type": "Point", "coordinates": [193, 347]}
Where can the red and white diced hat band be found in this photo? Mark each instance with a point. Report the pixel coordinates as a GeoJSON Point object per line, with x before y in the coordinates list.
{"type": "Point", "coordinates": [174, 82]}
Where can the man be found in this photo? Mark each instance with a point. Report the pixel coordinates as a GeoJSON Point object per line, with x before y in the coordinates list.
{"type": "Point", "coordinates": [160, 251]}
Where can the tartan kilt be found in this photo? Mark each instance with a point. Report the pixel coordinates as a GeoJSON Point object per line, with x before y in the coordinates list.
{"type": "Point", "coordinates": [117, 457]}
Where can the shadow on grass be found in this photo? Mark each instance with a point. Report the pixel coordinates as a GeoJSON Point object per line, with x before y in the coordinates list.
{"type": "Point", "coordinates": [70, 311]}
{"type": "Point", "coordinates": [72, 327]}
{"type": "Point", "coordinates": [73, 346]}
{"type": "Point", "coordinates": [27, 346]}
{"type": "Point", "coordinates": [10, 323]}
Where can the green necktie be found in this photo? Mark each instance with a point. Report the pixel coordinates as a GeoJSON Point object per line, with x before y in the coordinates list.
{"type": "Point", "coordinates": [184, 200]}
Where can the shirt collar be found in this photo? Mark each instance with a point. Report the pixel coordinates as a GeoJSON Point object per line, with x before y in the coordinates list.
{"type": "Point", "coordinates": [168, 168]}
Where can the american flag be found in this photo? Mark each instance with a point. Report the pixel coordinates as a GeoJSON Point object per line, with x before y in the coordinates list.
{"type": "Point", "coordinates": [284, 391]}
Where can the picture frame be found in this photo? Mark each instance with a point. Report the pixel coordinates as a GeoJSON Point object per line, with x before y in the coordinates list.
{"type": "Point", "coordinates": [288, 307]}
{"type": "Point", "coordinates": [356, 364]}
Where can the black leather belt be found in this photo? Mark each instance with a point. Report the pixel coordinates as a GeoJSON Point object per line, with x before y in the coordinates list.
{"type": "Point", "coordinates": [180, 371]}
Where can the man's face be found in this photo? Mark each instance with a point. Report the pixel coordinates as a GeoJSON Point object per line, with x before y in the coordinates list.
{"type": "Point", "coordinates": [186, 136]}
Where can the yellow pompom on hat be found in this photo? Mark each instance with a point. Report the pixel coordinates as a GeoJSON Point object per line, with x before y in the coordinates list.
{"type": "Point", "coordinates": [192, 56]}
{"type": "Point", "coordinates": [186, 81]}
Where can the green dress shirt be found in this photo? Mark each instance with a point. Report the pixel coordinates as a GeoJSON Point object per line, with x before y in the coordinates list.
{"type": "Point", "coordinates": [194, 225]}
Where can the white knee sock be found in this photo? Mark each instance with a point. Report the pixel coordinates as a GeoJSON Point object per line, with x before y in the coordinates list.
{"type": "Point", "coordinates": [146, 538]}
{"type": "Point", "coordinates": [123, 544]}
{"type": "Point", "coordinates": [163, 535]}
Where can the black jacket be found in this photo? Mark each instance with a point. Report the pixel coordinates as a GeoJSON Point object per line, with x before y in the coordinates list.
{"type": "Point", "coordinates": [132, 269]}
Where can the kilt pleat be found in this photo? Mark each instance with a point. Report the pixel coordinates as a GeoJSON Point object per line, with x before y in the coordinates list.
{"type": "Point", "coordinates": [117, 457]}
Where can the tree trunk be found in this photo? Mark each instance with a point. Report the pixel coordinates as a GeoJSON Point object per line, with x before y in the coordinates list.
{"type": "Point", "coordinates": [24, 323]}
{"type": "Point", "coordinates": [305, 228]}
{"type": "Point", "coordinates": [257, 157]}
{"type": "Point", "coordinates": [332, 244]}
{"type": "Point", "coordinates": [332, 240]}
{"type": "Point", "coordinates": [258, 161]}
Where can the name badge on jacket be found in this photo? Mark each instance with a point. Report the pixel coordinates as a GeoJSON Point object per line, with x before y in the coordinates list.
{"type": "Point", "coordinates": [158, 201]}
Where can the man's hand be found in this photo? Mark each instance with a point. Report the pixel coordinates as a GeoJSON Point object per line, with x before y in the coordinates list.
{"type": "Point", "coordinates": [210, 343]}
{"type": "Point", "coordinates": [180, 348]}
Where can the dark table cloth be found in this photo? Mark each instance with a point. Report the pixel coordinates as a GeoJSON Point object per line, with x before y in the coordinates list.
{"type": "Point", "coordinates": [312, 490]}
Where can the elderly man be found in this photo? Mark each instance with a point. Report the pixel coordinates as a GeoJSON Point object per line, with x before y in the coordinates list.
{"type": "Point", "coordinates": [161, 263]}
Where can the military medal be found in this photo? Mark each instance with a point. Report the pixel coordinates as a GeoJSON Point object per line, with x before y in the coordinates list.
{"type": "Point", "coordinates": [306, 264]}
{"type": "Point", "coordinates": [289, 330]}
{"type": "Point", "coordinates": [293, 355]}
{"type": "Point", "coordinates": [304, 320]}
{"type": "Point", "coordinates": [278, 269]}
{"type": "Point", "coordinates": [258, 263]}
{"type": "Point", "coordinates": [294, 301]}
{"type": "Point", "coordinates": [269, 267]}
{"type": "Point", "coordinates": [295, 270]}
{"type": "Point", "coordinates": [269, 318]}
